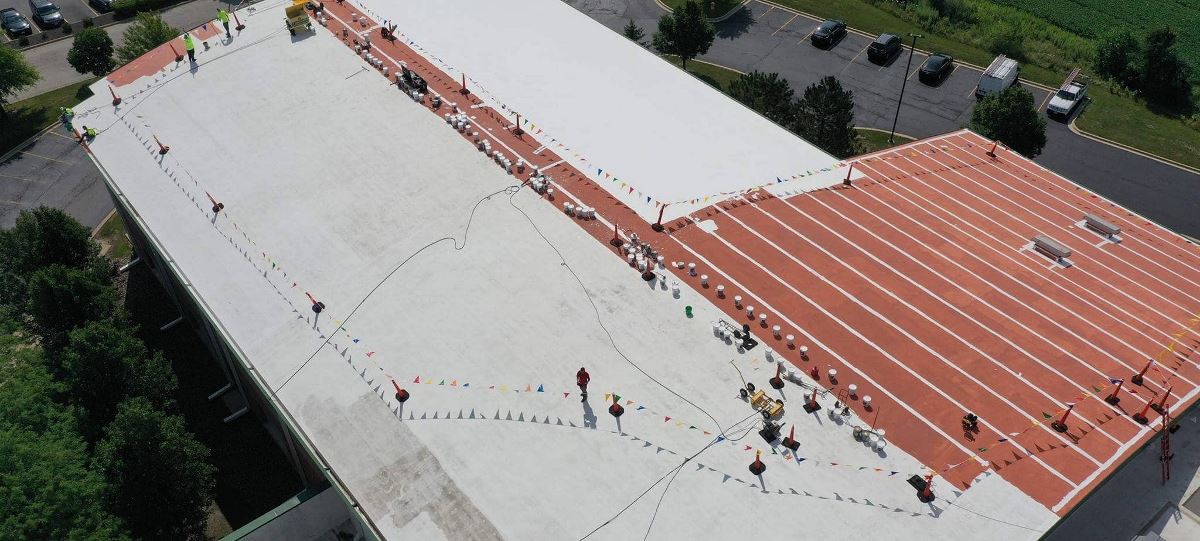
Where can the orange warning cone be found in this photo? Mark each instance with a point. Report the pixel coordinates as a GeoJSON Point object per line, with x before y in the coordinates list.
{"type": "Point", "coordinates": [178, 55]}
{"type": "Point", "coordinates": [1061, 424]}
{"type": "Point", "coordinates": [401, 394]}
{"type": "Point", "coordinates": [116, 98]}
{"type": "Point", "coordinates": [615, 409]}
{"type": "Point", "coordinates": [162, 149]}
{"type": "Point", "coordinates": [790, 441]}
{"type": "Point", "coordinates": [926, 494]}
{"type": "Point", "coordinates": [757, 467]}
{"type": "Point", "coordinates": [992, 153]}
{"type": "Point", "coordinates": [1161, 406]}
{"type": "Point", "coordinates": [239, 26]}
{"type": "Point", "coordinates": [777, 382]}
{"type": "Point", "coordinates": [317, 306]}
{"type": "Point", "coordinates": [1112, 398]}
{"type": "Point", "coordinates": [1138, 378]}
{"type": "Point", "coordinates": [217, 206]}
{"type": "Point", "coordinates": [658, 226]}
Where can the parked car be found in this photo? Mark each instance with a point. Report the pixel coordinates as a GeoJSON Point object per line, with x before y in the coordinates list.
{"type": "Point", "coordinates": [101, 5]}
{"type": "Point", "coordinates": [14, 23]}
{"type": "Point", "coordinates": [884, 48]}
{"type": "Point", "coordinates": [936, 68]}
{"type": "Point", "coordinates": [1072, 92]}
{"type": "Point", "coordinates": [999, 75]}
{"type": "Point", "coordinates": [828, 33]}
{"type": "Point", "coordinates": [45, 13]}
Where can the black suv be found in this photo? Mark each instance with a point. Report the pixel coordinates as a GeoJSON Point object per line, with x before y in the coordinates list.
{"type": "Point", "coordinates": [884, 48]}
{"type": "Point", "coordinates": [828, 33]}
{"type": "Point", "coordinates": [936, 68]}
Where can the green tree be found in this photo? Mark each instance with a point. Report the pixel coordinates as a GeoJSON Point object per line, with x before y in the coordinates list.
{"type": "Point", "coordinates": [59, 299]}
{"type": "Point", "coordinates": [16, 74]}
{"type": "Point", "coordinates": [684, 33]}
{"type": "Point", "coordinates": [634, 32]}
{"type": "Point", "coordinates": [147, 32]}
{"type": "Point", "coordinates": [41, 237]}
{"type": "Point", "coordinates": [767, 93]}
{"type": "Point", "coordinates": [825, 117]}
{"type": "Point", "coordinates": [157, 474]}
{"type": "Point", "coordinates": [92, 52]}
{"type": "Point", "coordinates": [1011, 117]}
{"type": "Point", "coordinates": [1116, 54]}
{"type": "Point", "coordinates": [47, 492]}
{"type": "Point", "coordinates": [103, 364]}
{"type": "Point", "coordinates": [1165, 77]}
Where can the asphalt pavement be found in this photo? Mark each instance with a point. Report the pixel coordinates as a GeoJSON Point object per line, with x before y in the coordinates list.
{"type": "Point", "coordinates": [767, 38]}
{"type": "Point", "coordinates": [53, 171]}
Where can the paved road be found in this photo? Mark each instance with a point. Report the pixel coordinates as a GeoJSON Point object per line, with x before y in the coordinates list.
{"type": "Point", "coordinates": [53, 171]}
{"type": "Point", "coordinates": [51, 59]}
{"type": "Point", "coordinates": [765, 38]}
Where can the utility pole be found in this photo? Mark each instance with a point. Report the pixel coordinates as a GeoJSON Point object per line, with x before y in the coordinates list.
{"type": "Point", "coordinates": [903, 83]}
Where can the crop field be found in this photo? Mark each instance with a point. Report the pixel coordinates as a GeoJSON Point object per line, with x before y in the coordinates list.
{"type": "Point", "coordinates": [1092, 18]}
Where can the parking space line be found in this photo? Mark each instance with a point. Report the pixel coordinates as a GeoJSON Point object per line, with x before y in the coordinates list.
{"type": "Point", "coordinates": [44, 157]}
{"type": "Point", "coordinates": [1045, 101]}
{"type": "Point", "coordinates": [88, 5]}
{"type": "Point", "coordinates": [851, 63]}
{"type": "Point", "coordinates": [914, 72]}
{"type": "Point", "coordinates": [22, 179]}
{"type": "Point", "coordinates": [970, 92]}
{"type": "Point", "coordinates": [785, 24]}
{"type": "Point", "coordinates": [805, 38]}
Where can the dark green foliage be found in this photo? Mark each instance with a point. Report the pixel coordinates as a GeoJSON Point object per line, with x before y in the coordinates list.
{"type": "Point", "coordinates": [47, 490]}
{"type": "Point", "coordinates": [767, 93]}
{"type": "Point", "coordinates": [147, 32]}
{"type": "Point", "coordinates": [16, 74]}
{"type": "Point", "coordinates": [41, 237]}
{"type": "Point", "coordinates": [59, 299]}
{"type": "Point", "coordinates": [103, 364]}
{"type": "Point", "coordinates": [92, 52]}
{"type": "Point", "coordinates": [634, 32]}
{"type": "Point", "coordinates": [1116, 57]}
{"type": "Point", "coordinates": [684, 33]}
{"type": "Point", "coordinates": [1010, 116]}
{"type": "Point", "coordinates": [1165, 77]}
{"type": "Point", "coordinates": [825, 117]}
{"type": "Point", "coordinates": [953, 10]}
{"type": "Point", "coordinates": [125, 8]}
{"type": "Point", "coordinates": [157, 476]}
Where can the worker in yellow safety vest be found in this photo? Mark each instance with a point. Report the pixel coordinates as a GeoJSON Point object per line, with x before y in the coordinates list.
{"type": "Point", "coordinates": [190, 46]}
{"type": "Point", "coordinates": [223, 16]}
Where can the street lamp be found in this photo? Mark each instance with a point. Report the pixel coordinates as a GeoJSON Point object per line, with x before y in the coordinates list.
{"type": "Point", "coordinates": [903, 83]}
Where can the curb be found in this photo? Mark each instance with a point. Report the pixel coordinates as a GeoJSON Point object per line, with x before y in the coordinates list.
{"type": "Point", "coordinates": [720, 19]}
{"type": "Point", "coordinates": [1165, 161]}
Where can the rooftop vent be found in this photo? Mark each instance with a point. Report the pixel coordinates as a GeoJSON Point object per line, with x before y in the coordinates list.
{"type": "Point", "coordinates": [1051, 247]}
{"type": "Point", "coordinates": [1100, 225]}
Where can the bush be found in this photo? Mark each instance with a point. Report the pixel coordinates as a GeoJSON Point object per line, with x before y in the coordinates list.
{"type": "Point", "coordinates": [956, 11]}
{"type": "Point", "coordinates": [1007, 40]}
{"type": "Point", "coordinates": [125, 8]}
{"type": "Point", "coordinates": [66, 28]}
{"type": "Point", "coordinates": [24, 41]}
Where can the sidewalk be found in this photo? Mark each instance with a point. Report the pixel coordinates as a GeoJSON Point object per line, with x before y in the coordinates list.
{"type": "Point", "coordinates": [51, 59]}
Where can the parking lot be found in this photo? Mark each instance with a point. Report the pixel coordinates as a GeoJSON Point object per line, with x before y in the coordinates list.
{"type": "Point", "coordinates": [73, 11]}
{"type": "Point", "coordinates": [53, 171]}
{"type": "Point", "coordinates": [770, 39]}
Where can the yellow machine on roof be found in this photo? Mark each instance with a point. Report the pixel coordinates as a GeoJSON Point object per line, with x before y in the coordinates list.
{"type": "Point", "coordinates": [297, 19]}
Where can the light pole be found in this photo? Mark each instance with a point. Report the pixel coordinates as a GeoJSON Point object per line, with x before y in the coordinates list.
{"type": "Point", "coordinates": [903, 83]}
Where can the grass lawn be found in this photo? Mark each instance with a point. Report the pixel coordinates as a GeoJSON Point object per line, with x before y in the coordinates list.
{"type": "Point", "coordinates": [874, 140]}
{"type": "Point", "coordinates": [112, 239]}
{"type": "Point", "coordinates": [28, 116]}
{"type": "Point", "coordinates": [1122, 119]}
{"type": "Point", "coordinates": [717, 76]}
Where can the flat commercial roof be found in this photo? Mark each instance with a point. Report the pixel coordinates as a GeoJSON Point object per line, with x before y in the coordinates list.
{"type": "Point", "coordinates": [606, 104]}
{"type": "Point", "coordinates": [441, 273]}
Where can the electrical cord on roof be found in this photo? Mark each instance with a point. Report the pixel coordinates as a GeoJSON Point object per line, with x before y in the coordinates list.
{"type": "Point", "coordinates": [603, 327]}
{"type": "Point", "coordinates": [952, 504]}
{"type": "Point", "coordinates": [457, 247]}
{"type": "Point", "coordinates": [675, 470]}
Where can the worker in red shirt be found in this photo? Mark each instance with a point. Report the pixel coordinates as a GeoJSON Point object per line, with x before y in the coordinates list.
{"type": "Point", "coordinates": [582, 378]}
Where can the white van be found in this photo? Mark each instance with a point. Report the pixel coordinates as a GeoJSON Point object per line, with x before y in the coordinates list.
{"type": "Point", "coordinates": [1001, 74]}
